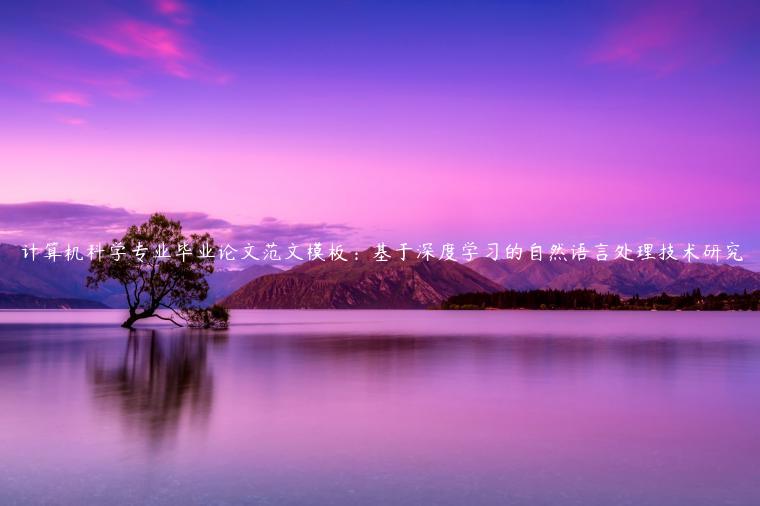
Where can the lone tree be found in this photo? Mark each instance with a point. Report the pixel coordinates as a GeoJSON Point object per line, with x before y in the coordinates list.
{"type": "Point", "coordinates": [159, 268]}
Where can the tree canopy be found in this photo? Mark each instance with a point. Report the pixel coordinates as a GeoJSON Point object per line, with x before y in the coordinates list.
{"type": "Point", "coordinates": [158, 267]}
{"type": "Point", "coordinates": [590, 299]}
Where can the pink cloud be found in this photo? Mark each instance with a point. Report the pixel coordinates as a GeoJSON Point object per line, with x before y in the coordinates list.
{"type": "Point", "coordinates": [68, 97]}
{"type": "Point", "coordinates": [164, 47]}
{"type": "Point", "coordinates": [175, 10]}
{"type": "Point", "coordinates": [650, 39]}
{"type": "Point", "coordinates": [53, 80]}
{"type": "Point", "coordinates": [664, 37]}
{"type": "Point", "coordinates": [88, 222]}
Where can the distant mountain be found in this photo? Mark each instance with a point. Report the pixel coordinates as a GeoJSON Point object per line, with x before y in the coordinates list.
{"type": "Point", "coordinates": [26, 301]}
{"type": "Point", "coordinates": [642, 277]}
{"type": "Point", "coordinates": [361, 282]}
{"type": "Point", "coordinates": [43, 278]}
{"type": "Point", "coordinates": [224, 282]}
{"type": "Point", "coordinates": [66, 280]}
{"type": "Point", "coordinates": [366, 283]}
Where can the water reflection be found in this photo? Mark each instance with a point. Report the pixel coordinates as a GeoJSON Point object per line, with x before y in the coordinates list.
{"type": "Point", "coordinates": [159, 382]}
{"type": "Point", "coordinates": [658, 358]}
{"type": "Point", "coordinates": [420, 408]}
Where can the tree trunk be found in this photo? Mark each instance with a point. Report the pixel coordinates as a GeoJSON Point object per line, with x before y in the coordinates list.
{"type": "Point", "coordinates": [134, 316]}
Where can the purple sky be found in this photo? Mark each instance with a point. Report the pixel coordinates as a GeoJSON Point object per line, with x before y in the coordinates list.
{"type": "Point", "coordinates": [393, 121]}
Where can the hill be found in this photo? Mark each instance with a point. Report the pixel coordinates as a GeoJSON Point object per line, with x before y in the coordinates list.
{"type": "Point", "coordinates": [640, 277]}
{"type": "Point", "coordinates": [361, 282]}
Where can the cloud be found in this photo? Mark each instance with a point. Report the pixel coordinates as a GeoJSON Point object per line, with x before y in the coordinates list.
{"type": "Point", "coordinates": [40, 222]}
{"type": "Point", "coordinates": [56, 81]}
{"type": "Point", "coordinates": [143, 41]}
{"type": "Point", "coordinates": [84, 224]}
{"type": "Point", "coordinates": [163, 47]}
{"type": "Point", "coordinates": [663, 37]}
{"type": "Point", "coordinates": [68, 97]}
{"type": "Point", "coordinates": [283, 233]}
{"type": "Point", "coordinates": [168, 49]}
{"type": "Point", "coordinates": [175, 10]}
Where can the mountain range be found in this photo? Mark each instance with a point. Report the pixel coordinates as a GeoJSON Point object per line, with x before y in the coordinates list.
{"type": "Point", "coordinates": [361, 282]}
{"type": "Point", "coordinates": [626, 278]}
{"type": "Point", "coordinates": [62, 284]}
{"type": "Point", "coordinates": [25, 301]}
{"type": "Point", "coordinates": [366, 283]}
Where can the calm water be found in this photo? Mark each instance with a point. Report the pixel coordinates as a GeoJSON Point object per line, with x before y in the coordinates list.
{"type": "Point", "coordinates": [382, 407]}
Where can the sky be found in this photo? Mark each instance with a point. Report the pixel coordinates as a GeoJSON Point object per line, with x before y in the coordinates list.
{"type": "Point", "coordinates": [393, 121]}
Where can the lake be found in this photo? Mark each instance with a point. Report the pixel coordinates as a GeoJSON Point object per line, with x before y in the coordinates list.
{"type": "Point", "coordinates": [382, 408]}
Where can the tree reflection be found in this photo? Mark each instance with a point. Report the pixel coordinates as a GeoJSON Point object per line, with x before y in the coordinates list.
{"type": "Point", "coordinates": [159, 383]}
